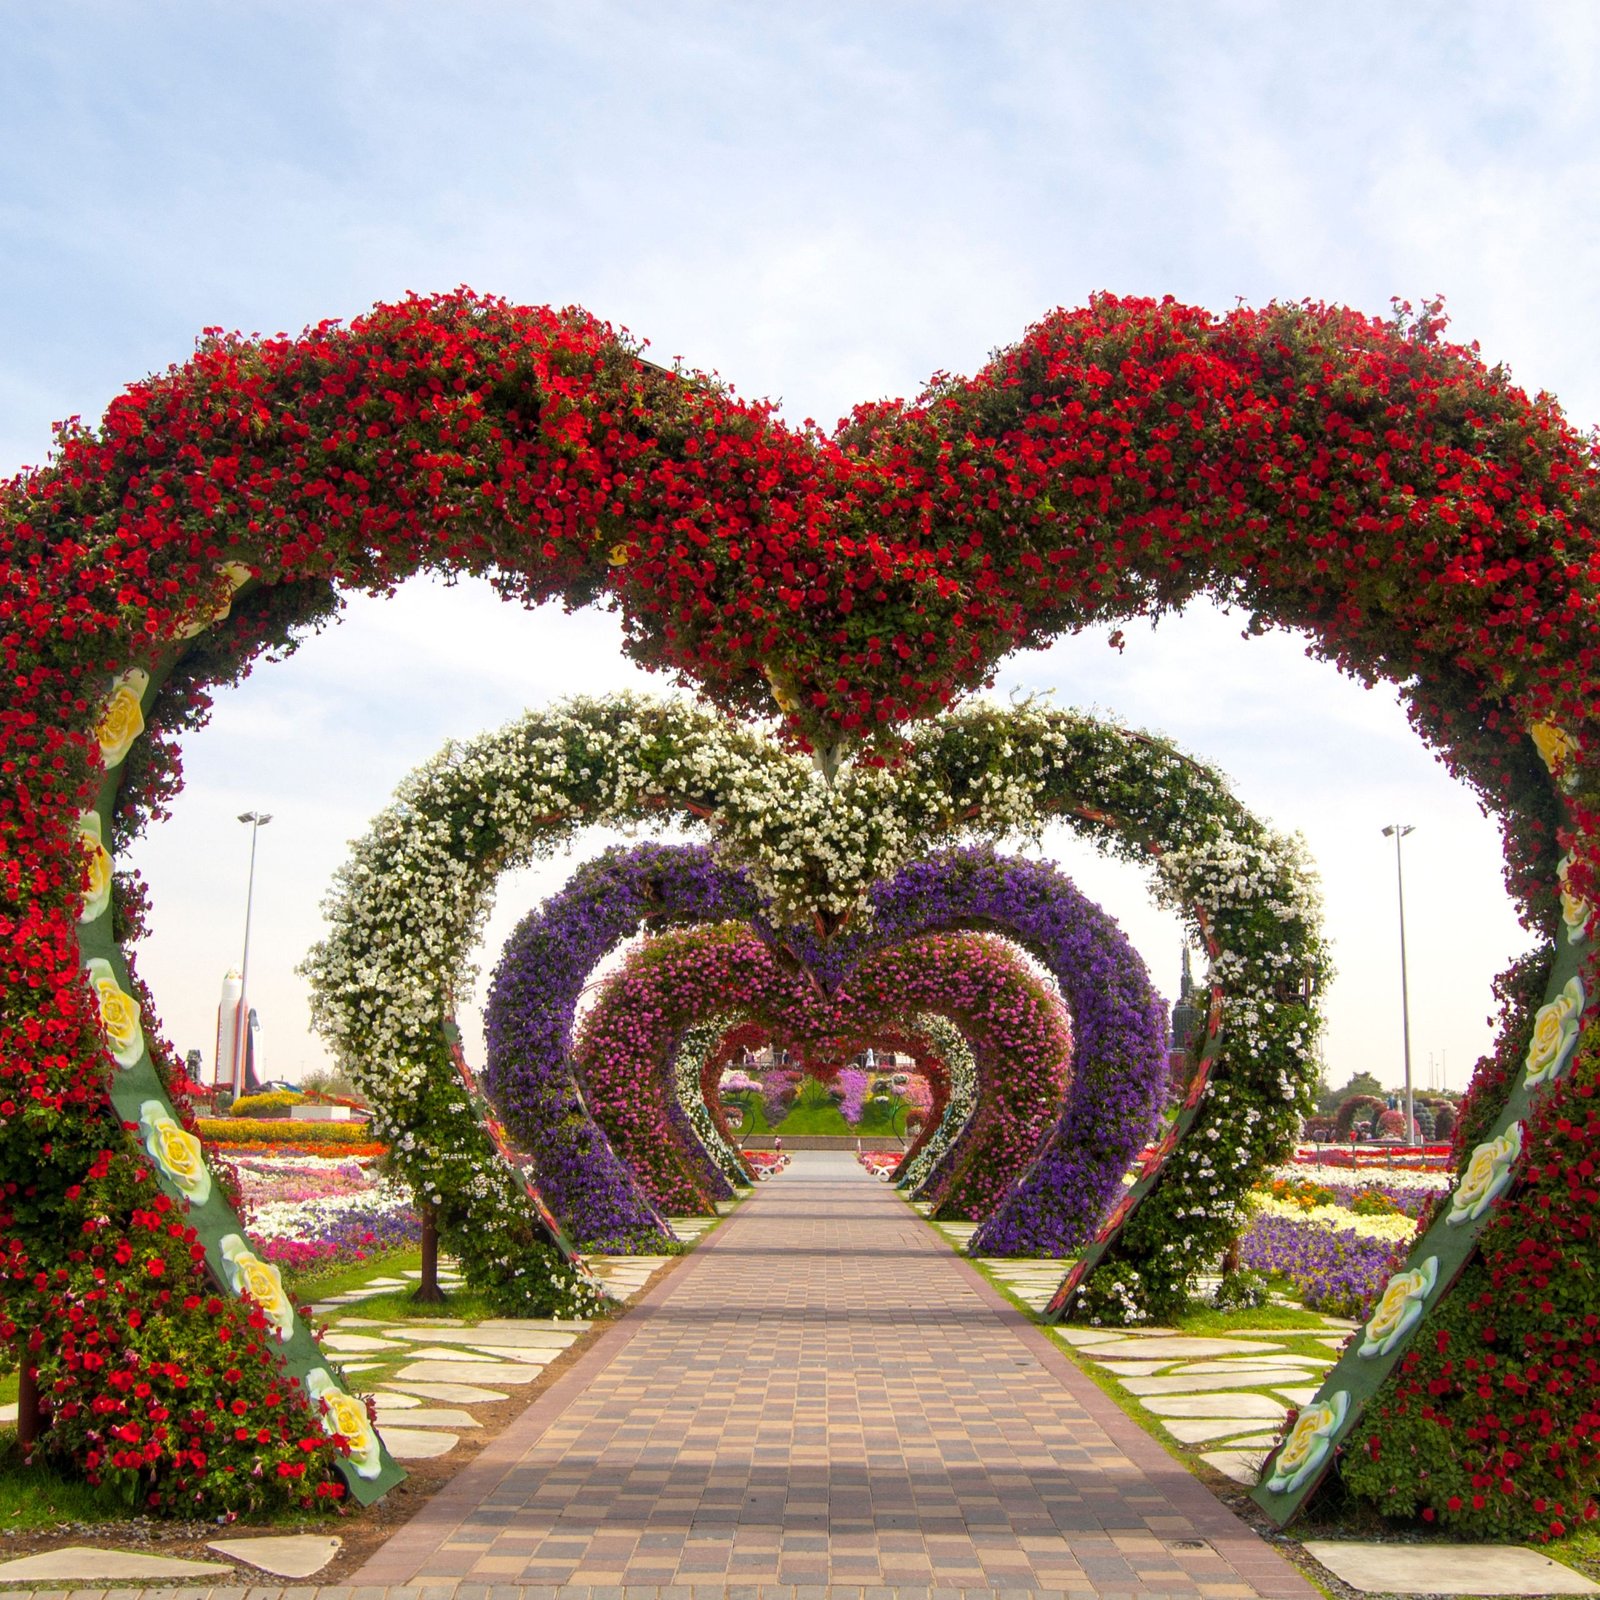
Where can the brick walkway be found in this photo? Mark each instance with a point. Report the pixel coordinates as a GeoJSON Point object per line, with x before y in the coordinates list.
{"type": "Point", "coordinates": [824, 1395]}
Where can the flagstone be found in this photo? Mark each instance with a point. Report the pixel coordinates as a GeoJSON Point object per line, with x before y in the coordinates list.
{"type": "Point", "coordinates": [81, 1563]}
{"type": "Point", "coordinates": [296, 1555]}
{"type": "Point", "coordinates": [501, 1337]}
{"type": "Point", "coordinates": [1243, 1466]}
{"type": "Point", "coordinates": [1183, 1383]}
{"type": "Point", "coordinates": [390, 1283]}
{"type": "Point", "coordinates": [1446, 1569]}
{"type": "Point", "coordinates": [354, 1341]}
{"type": "Point", "coordinates": [1134, 1369]}
{"type": "Point", "coordinates": [1252, 1363]}
{"type": "Point", "coordinates": [441, 1353]}
{"type": "Point", "coordinates": [468, 1394]}
{"type": "Point", "coordinates": [427, 1416]}
{"type": "Point", "coordinates": [1228, 1404]}
{"type": "Point", "coordinates": [543, 1357]}
{"type": "Point", "coordinates": [1079, 1337]}
{"type": "Point", "coordinates": [392, 1400]}
{"type": "Point", "coordinates": [418, 1444]}
{"type": "Point", "coordinates": [1300, 1396]}
{"type": "Point", "coordinates": [453, 1371]}
{"type": "Point", "coordinates": [560, 1324]}
{"type": "Point", "coordinates": [8, 1413]}
{"type": "Point", "coordinates": [1197, 1430]}
{"type": "Point", "coordinates": [1179, 1346]}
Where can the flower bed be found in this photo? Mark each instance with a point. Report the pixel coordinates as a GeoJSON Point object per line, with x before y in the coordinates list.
{"type": "Point", "coordinates": [1336, 1269]}
{"type": "Point", "coordinates": [880, 1163]}
{"type": "Point", "coordinates": [766, 1163]}
{"type": "Point", "coordinates": [308, 1212]}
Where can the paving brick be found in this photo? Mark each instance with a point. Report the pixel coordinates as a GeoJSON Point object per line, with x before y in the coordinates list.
{"type": "Point", "coordinates": [824, 1402]}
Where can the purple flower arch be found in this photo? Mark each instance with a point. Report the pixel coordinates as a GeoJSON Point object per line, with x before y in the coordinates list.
{"type": "Point", "coordinates": [1119, 1073]}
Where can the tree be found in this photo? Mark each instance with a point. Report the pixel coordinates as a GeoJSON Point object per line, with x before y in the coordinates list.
{"type": "Point", "coordinates": [1363, 1083]}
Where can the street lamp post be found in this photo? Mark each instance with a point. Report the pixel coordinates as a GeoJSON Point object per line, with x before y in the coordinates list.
{"type": "Point", "coordinates": [1397, 831]}
{"type": "Point", "coordinates": [241, 1021]}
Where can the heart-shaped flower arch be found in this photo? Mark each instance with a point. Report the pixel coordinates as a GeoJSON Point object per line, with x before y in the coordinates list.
{"type": "Point", "coordinates": [409, 902]}
{"type": "Point", "coordinates": [1119, 1069]}
{"type": "Point", "coordinates": [1418, 515]}
{"type": "Point", "coordinates": [625, 1047]}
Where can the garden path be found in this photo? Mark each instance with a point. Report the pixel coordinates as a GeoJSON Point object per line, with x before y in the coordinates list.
{"type": "Point", "coordinates": [823, 1394]}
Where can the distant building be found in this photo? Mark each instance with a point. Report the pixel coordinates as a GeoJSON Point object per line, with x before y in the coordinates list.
{"type": "Point", "coordinates": [1185, 1034]}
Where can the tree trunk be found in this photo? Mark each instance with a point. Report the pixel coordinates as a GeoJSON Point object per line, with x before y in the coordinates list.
{"type": "Point", "coordinates": [428, 1291]}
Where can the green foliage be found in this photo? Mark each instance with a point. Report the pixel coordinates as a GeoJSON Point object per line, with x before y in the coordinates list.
{"type": "Point", "coordinates": [1243, 1290]}
{"type": "Point", "coordinates": [1361, 1083]}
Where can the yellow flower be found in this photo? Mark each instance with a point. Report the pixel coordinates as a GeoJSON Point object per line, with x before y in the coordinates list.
{"type": "Point", "coordinates": [261, 1280]}
{"type": "Point", "coordinates": [1555, 1031]}
{"type": "Point", "coordinates": [345, 1415]}
{"type": "Point", "coordinates": [97, 896]}
{"type": "Point", "coordinates": [1558, 748]}
{"type": "Point", "coordinates": [175, 1151]}
{"type": "Point", "coordinates": [122, 719]}
{"type": "Point", "coordinates": [619, 556]}
{"type": "Point", "coordinates": [1488, 1174]}
{"type": "Point", "coordinates": [1400, 1309]}
{"type": "Point", "coordinates": [1575, 909]}
{"type": "Point", "coordinates": [238, 575]}
{"type": "Point", "coordinates": [1308, 1443]}
{"type": "Point", "coordinates": [119, 1013]}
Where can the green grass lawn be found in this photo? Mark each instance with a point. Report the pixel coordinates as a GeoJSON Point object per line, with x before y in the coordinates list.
{"type": "Point", "coordinates": [815, 1119]}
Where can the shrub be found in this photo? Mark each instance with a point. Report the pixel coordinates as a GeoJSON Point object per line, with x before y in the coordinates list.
{"type": "Point", "coordinates": [259, 1105]}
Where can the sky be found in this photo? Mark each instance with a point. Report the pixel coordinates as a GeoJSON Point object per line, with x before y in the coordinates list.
{"type": "Point", "coordinates": [824, 204]}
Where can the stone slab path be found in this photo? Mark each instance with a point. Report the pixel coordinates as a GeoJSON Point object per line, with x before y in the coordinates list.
{"type": "Point", "coordinates": [823, 1395]}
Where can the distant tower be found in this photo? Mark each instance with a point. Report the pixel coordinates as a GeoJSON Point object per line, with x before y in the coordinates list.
{"type": "Point", "coordinates": [237, 1076]}
{"type": "Point", "coordinates": [1185, 1014]}
{"type": "Point", "coordinates": [1185, 1044]}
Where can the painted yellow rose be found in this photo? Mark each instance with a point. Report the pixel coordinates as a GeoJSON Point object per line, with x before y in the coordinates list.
{"type": "Point", "coordinates": [345, 1415]}
{"type": "Point", "coordinates": [618, 556]}
{"type": "Point", "coordinates": [1555, 1031]}
{"type": "Point", "coordinates": [249, 1274]}
{"type": "Point", "coordinates": [237, 575]}
{"type": "Point", "coordinates": [1400, 1308]}
{"type": "Point", "coordinates": [119, 1013]}
{"type": "Point", "coordinates": [175, 1151]}
{"type": "Point", "coordinates": [1575, 908]}
{"type": "Point", "coordinates": [780, 694]}
{"type": "Point", "coordinates": [1558, 748]}
{"type": "Point", "coordinates": [1487, 1176]}
{"type": "Point", "coordinates": [122, 719]}
{"type": "Point", "coordinates": [97, 896]}
{"type": "Point", "coordinates": [1308, 1443]}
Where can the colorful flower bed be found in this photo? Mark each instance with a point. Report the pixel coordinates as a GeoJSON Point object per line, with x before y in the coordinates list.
{"type": "Point", "coordinates": [880, 1163]}
{"type": "Point", "coordinates": [305, 1212]}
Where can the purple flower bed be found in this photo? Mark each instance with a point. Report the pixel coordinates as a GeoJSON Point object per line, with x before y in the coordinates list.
{"type": "Point", "coordinates": [1119, 1024]}
{"type": "Point", "coordinates": [1332, 1269]}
